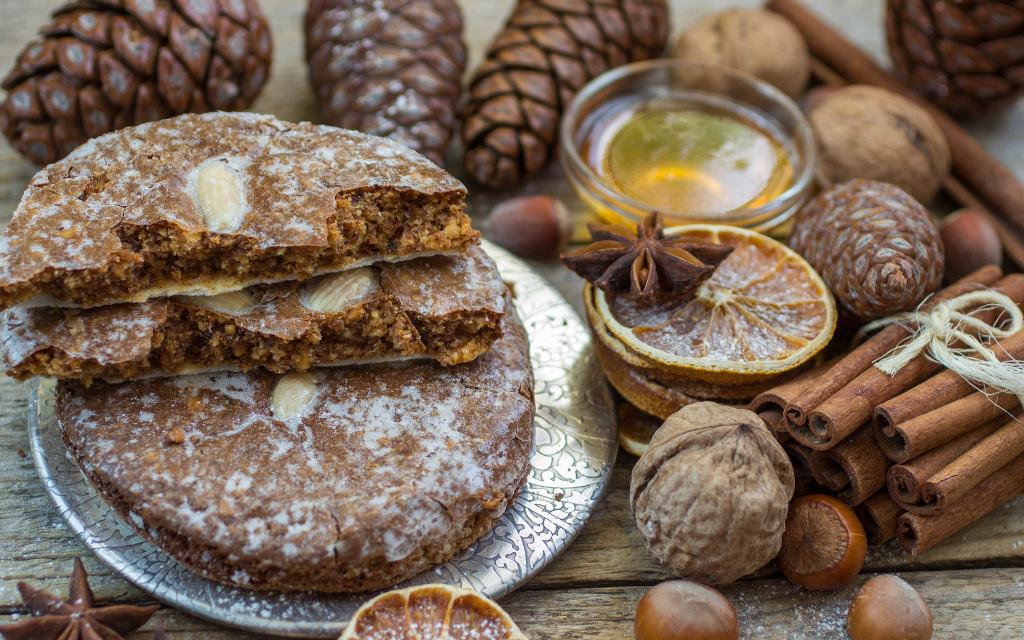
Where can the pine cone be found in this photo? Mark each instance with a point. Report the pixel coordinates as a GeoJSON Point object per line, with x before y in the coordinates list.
{"type": "Point", "coordinates": [391, 68]}
{"type": "Point", "coordinates": [875, 247]}
{"type": "Point", "coordinates": [966, 56]}
{"type": "Point", "coordinates": [545, 54]}
{"type": "Point", "coordinates": [100, 65]}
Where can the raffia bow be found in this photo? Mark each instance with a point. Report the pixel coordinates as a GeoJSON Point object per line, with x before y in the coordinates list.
{"type": "Point", "coordinates": [950, 336]}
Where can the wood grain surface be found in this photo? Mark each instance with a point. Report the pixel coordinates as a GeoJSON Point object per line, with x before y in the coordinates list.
{"type": "Point", "coordinates": [973, 582]}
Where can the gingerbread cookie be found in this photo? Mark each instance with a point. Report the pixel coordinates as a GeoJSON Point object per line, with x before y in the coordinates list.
{"type": "Point", "coordinates": [342, 479]}
{"type": "Point", "coordinates": [203, 204]}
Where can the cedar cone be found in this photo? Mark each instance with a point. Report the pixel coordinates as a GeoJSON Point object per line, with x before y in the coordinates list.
{"type": "Point", "coordinates": [875, 247]}
{"type": "Point", "coordinates": [546, 52]}
{"type": "Point", "coordinates": [966, 56]}
{"type": "Point", "coordinates": [100, 65]}
{"type": "Point", "coordinates": [391, 68]}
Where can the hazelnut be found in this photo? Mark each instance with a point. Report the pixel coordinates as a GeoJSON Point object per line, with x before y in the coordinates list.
{"type": "Point", "coordinates": [971, 242]}
{"type": "Point", "coordinates": [887, 608]}
{"type": "Point", "coordinates": [684, 610]}
{"type": "Point", "coordinates": [710, 493]}
{"type": "Point", "coordinates": [824, 544]}
{"type": "Point", "coordinates": [534, 227]}
{"type": "Point", "coordinates": [868, 132]}
{"type": "Point", "coordinates": [759, 42]}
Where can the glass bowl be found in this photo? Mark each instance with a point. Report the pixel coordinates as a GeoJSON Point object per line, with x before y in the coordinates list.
{"type": "Point", "coordinates": [655, 81]}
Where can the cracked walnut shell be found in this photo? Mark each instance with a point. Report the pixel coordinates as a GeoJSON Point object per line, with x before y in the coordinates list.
{"type": "Point", "coordinates": [711, 492]}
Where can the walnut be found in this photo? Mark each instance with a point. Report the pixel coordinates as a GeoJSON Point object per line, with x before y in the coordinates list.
{"type": "Point", "coordinates": [711, 492]}
{"type": "Point", "coordinates": [759, 42]}
{"type": "Point", "coordinates": [868, 132]}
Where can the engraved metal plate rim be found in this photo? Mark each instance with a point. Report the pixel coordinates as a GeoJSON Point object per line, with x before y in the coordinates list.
{"type": "Point", "coordinates": [574, 451]}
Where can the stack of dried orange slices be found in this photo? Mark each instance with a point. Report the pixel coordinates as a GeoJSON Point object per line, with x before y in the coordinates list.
{"type": "Point", "coordinates": [698, 332]}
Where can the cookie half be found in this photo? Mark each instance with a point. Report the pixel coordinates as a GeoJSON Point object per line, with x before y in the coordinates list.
{"type": "Point", "coordinates": [203, 204]}
{"type": "Point", "coordinates": [343, 479]}
{"type": "Point", "coordinates": [448, 308]}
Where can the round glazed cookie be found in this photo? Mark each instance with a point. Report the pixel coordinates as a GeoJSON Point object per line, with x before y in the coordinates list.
{"type": "Point", "coordinates": [345, 479]}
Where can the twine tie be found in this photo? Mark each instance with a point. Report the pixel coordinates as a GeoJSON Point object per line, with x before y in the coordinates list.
{"type": "Point", "coordinates": [955, 339]}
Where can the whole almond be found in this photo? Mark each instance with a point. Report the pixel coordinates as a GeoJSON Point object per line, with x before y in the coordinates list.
{"type": "Point", "coordinates": [219, 195]}
{"type": "Point", "coordinates": [292, 394]}
{"type": "Point", "coordinates": [340, 291]}
{"type": "Point", "coordinates": [231, 302]}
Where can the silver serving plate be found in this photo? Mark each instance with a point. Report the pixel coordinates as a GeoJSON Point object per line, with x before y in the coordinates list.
{"type": "Point", "coordinates": [574, 450]}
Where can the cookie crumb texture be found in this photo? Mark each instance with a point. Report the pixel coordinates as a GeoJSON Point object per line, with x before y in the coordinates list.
{"type": "Point", "coordinates": [448, 308]}
{"type": "Point", "coordinates": [202, 204]}
{"type": "Point", "coordinates": [381, 473]}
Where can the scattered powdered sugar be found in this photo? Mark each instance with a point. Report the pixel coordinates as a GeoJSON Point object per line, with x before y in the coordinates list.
{"type": "Point", "coordinates": [384, 460]}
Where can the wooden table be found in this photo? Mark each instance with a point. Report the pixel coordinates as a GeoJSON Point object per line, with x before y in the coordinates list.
{"type": "Point", "coordinates": [973, 582]}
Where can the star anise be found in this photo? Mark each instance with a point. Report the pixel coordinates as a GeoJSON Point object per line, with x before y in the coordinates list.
{"type": "Point", "coordinates": [76, 619]}
{"type": "Point", "coordinates": [645, 263]}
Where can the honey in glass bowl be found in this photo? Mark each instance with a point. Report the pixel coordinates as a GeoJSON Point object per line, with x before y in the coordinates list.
{"type": "Point", "coordinates": [694, 143]}
{"type": "Point", "coordinates": [689, 155]}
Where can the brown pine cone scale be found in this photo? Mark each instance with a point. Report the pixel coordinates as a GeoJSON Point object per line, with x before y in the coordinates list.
{"type": "Point", "coordinates": [546, 52]}
{"type": "Point", "coordinates": [100, 65]}
{"type": "Point", "coordinates": [965, 56]}
{"type": "Point", "coordinates": [392, 68]}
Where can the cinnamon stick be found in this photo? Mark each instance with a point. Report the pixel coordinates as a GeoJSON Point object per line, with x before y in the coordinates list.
{"type": "Point", "coordinates": [833, 378]}
{"type": "Point", "coordinates": [823, 472]}
{"type": "Point", "coordinates": [863, 465]}
{"type": "Point", "coordinates": [956, 479]}
{"type": "Point", "coordinates": [993, 181]}
{"type": "Point", "coordinates": [918, 533]}
{"type": "Point", "coordinates": [771, 404]}
{"type": "Point", "coordinates": [799, 456]}
{"type": "Point", "coordinates": [853, 405]}
{"type": "Point", "coordinates": [937, 392]}
{"type": "Point", "coordinates": [916, 437]}
{"type": "Point", "coordinates": [879, 515]}
{"type": "Point", "coordinates": [905, 481]}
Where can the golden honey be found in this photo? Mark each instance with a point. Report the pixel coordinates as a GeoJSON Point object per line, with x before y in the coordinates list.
{"type": "Point", "coordinates": [680, 155]}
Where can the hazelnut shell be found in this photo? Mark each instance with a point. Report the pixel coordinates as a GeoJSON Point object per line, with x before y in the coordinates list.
{"type": "Point", "coordinates": [970, 241]}
{"type": "Point", "coordinates": [886, 607]}
{"type": "Point", "coordinates": [710, 493]}
{"type": "Point", "coordinates": [535, 227]}
{"type": "Point", "coordinates": [685, 610]}
{"type": "Point", "coordinates": [824, 544]}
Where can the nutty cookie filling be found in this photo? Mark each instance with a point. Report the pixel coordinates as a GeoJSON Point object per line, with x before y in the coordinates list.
{"type": "Point", "coordinates": [445, 308]}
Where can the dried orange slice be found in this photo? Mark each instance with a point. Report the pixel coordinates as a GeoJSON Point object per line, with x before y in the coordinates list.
{"type": "Point", "coordinates": [636, 428]}
{"type": "Point", "coordinates": [431, 612]}
{"type": "Point", "coordinates": [763, 312]}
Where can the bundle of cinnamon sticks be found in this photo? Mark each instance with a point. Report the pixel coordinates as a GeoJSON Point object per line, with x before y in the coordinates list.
{"type": "Point", "coordinates": [922, 453]}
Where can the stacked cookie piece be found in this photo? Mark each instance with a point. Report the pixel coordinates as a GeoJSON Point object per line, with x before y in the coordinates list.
{"type": "Point", "coordinates": [283, 357]}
